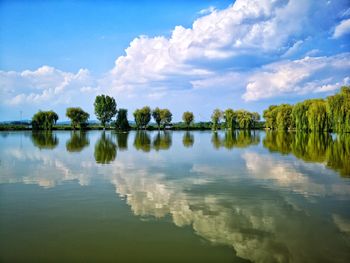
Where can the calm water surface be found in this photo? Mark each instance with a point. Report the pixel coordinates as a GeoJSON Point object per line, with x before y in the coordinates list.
{"type": "Point", "coordinates": [174, 197]}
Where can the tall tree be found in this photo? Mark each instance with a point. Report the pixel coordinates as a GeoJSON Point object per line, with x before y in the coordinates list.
{"type": "Point", "coordinates": [284, 119]}
{"type": "Point", "coordinates": [244, 119]}
{"type": "Point", "coordinates": [156, 114]}
{"type": "Point", "coordinates": [105, 109]}
{"type": "Point", "coordinates": [166, 117]}
{"type": "Point", "coordinates": [78, 117]}
{"type": "Point", "coordinates": [122, 122]}
{"type": "Point", "coordinates": [230, 119]}
{"type": "Point", "coordinates": [215, 118]}
{"type": "Point", "coordinates": [142, 117]}
{"type": "Point", "coordinates": [188, 118]}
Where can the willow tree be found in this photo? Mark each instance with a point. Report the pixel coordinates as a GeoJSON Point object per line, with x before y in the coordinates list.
{"type": "Point", "coordinates": [317, 115]}
{"type": "Point", "coordinates": [338, 110]}
{"type": "Point", "coordinates": [166, 117]}
{"type": "Point", "coordinates": [299, 114]}
{"type": "Point", "coordinates": [284, 119]}
{"type": "Point", "coordinates": [244, 119]}
{"type": "Point", "coordinates": [216, 118]}
{"type": "Point", "coordinates": [230, 119]}
{"type": "Point", "coordinates": [188, 118]}
{"type": "Point", "coordinates": [142, 117]}
{"type": "Point", "coordinates": [270, 116]}
{"type": "Point", "coordinates": [44, 120]}
{"type": "Point", "coordinates": [156, 116]}
{"type": "Point", "coordinates": [78, 117]}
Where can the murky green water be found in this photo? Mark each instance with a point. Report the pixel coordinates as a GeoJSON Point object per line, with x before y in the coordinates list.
{"type": "Point", "coordinates": [174, 197]}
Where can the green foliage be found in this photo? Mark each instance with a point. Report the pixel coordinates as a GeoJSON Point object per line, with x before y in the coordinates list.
{"type": "Point", "coordinates": [215, 118]}
{"type": "Point", "coordinates": [122, 123]}
{"type": "Point", "coordinates": [244, 119]}
{"type": "Point", "coordinates": [122, 140]}
{"type": "Point", "coordinates": [44, 120]}
{"type": "Point", "coordinates": [78, 117]}
{"type": "Point", "coordinates": [142, 117]}
{"type": "Point", "coordinates": [105, 109]}
{"type": "Point", "coordinates": [44, 140]}
{"type": "Point", "coordinates": [188, 118]}
{"type": "Point", "coordinates": [77, 142]}
{"type": "Point", "coordinates": [338, 110]}
{"type": "Point", "coordinates": [188, 139]}
{"type": "Point", "coordinates": [156, 114]}
{"type": "Point", "coordinates": [332, 114]}
{"type": "Point", "coordinates": [105, 149]}
{"type": "Point", "coordinates": [230, 119]}
{"type": "Point", "coordinates": [166, 117]}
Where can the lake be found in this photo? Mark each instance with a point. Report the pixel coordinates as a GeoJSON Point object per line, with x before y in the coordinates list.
{"type": "Point", "coordinates": [174, 197]}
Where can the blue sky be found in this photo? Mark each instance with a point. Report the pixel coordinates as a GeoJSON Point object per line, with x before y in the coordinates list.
{"type": "Point", "coordinates": [183, 55]}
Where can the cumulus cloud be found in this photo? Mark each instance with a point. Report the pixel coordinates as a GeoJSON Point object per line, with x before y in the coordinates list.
{"type": "Point", "coordinates": [42, 85]}
{"type": "Point", "coordinates": [309, 74]}
{"type": "Point", "coordinates": [342, 29]}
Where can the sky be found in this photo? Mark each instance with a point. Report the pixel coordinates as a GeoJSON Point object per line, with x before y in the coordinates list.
{"type": "Point", "coordinates": [194, 55]}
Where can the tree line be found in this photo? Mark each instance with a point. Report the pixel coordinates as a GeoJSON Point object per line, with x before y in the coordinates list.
{"type": "Point", "coordinates": [330, 114]}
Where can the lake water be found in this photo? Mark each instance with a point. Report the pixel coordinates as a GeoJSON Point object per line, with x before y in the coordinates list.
{"type": "Point", "coordinates": [174, 197]}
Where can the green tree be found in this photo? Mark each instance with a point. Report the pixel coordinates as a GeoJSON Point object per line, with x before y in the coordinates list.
{"type": "Point", "coordinates": [188, 118]}
{"type": "Point", "coordinates": [255, 119]}
{"type": "Point", "coordinates": [77, 142]}
{"type": "Point", "coordinates": [44, 120]}
{"type": "Point", "coordinates": [122, 123]}
{"type": "Point", "coordinates": [244, 119]}
{"type": "Point", "coordinates": [338, 110]}
{"type": "Point", "coordinates": [105, 149]}
{"type": "Point", "coordinates": [299, 114]}
{"type": "Point", "coordinates": [105, 109]}
{"type": "Point", "coordinates": [230, 119]}
{"type": "Point", "coordinates": [142, 117]}
{"type": "Point", "coordinates": [78, 117]}
{"type": "Point", "coordinates": [270, 116]}
{"type": "Point", "coordinates": [317, 115]}
{"type": "Point", "coordinates": [166, 117]}
{"type": "Point", "coordinates": [216, 118]}
{"type": "Point", "coordinates": [284, 119]}
{"type": "Point", "coordinates": [156, 114]}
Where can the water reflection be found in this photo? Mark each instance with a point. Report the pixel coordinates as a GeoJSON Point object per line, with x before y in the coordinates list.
{"type": "Point", "coordinates": [266, 207]}
{"type": "Point", "coordinates": [313, 147]}
{"type": "Point", "coordinates": [235, 139]}
{"type": "Point", "coordinates": [162, 141]}
{"type": "Point", "coordinates": [77, 142]}
{"type": "Point", "coordinates": [188, 139]}
{"type": "Point", "coordinates": [45, 140]}
{"type": "Point", "coordinates": [105, 149]}
{"type": "Point", "coordinates": [122, 140]}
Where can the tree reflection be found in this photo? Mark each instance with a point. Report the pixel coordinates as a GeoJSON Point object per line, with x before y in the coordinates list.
{"type": "Point", "coordinates": [45, 140]}
{"type": "Point", "coordinates": [77, 142]}
{"type": "Point", "coordinates": [142, 141]}
{"type": "Point", "coordinates": [188, 139]}
{"type": "Point", "coordinates": [162, 141]}
{"type": "Point", "coordinates": [105, 149]}
{"type": "Point", "coordinates": [313, 147]}
{"type": "Point", "coordinates": [235, 139]}
{"type": "Point", "coordinates": [122, 140]}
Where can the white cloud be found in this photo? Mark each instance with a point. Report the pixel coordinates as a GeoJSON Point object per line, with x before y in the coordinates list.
{"type": "Point", "coordinates": [41, 85]}
{"type": "Point", "coordinates": [342, 29]}
{"type": "Point", "coordinates": [245, 27]}
{"type": "Point", "coordinates": [310, 74]}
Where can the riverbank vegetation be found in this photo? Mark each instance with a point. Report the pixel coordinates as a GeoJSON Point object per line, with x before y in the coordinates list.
{"type": "Point", "coordinates": [315, 115]}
